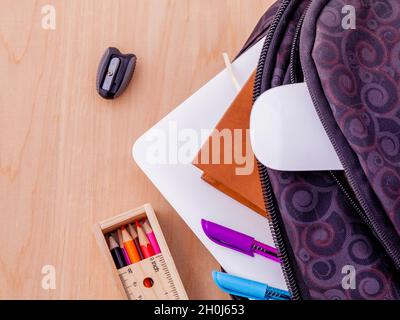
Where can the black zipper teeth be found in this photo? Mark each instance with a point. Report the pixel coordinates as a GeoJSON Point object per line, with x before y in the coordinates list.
{"type": "Point", "coordinates": [294, 50]}
{"type": "Point", "coordinates": [365, 213]}
{"type": "Point", "coordinates": [264, 51]}
{"type": "Point", "coordinates": [265, 181]}
{"type": "Point", "coordinates": [276, 233]}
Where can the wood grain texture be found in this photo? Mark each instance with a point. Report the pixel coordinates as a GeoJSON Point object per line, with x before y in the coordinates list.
{"type": "Point", "coordinates": [65, 153]}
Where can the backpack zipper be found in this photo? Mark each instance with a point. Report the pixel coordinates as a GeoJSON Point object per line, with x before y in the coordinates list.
{"type": "Point", "coordinates": [347, 193]}
{"type": "Point", "coordinates": [265, 181]}
{"type": "Point", "coordinates": [294, 52]}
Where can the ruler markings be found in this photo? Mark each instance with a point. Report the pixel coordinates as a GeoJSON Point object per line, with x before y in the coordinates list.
{"type": "Point", "coordinates": [157, 269]}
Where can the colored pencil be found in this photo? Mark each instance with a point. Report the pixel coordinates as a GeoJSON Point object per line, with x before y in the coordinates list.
{"type": "Point", "coordinates": [145, 245]}
{"type": "Point", "coordinates": [121, 245]}
{"type": "Point", "coordinates": [135, 238]}
{"type": "Point", "coordinates": [130, 246]}
{"type": "Point", "coordinates": [151, 236]}
{"type": "Point", "coordinates": [116, 253]}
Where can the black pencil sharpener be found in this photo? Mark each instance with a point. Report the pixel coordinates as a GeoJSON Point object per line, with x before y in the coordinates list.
{"type": "Point", "coordinates": [114, 73]}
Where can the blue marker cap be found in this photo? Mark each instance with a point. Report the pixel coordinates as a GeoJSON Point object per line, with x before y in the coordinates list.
{"type": "Point", "coordinates": [239, 286]}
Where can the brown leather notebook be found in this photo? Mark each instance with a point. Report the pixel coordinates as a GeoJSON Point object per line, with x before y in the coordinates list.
{"type": "Point", "coordinates": [229, 165]}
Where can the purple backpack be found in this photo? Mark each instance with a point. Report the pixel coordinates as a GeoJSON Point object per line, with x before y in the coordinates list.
{"type": "Point", "coordinates": [326, 224]}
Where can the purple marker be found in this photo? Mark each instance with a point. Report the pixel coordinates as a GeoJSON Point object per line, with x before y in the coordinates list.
{"type": "Point", "coordinates": [238, 241]}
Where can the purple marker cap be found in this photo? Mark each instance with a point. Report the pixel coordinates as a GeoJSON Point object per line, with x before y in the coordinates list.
{"type": "Point", "coordinates": [237, 241]}
{"type": "Point", "coordinates": [228, 238]}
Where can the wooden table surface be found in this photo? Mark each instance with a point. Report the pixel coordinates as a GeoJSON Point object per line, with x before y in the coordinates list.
{"type": "Point", "coordinates": [65, 153]}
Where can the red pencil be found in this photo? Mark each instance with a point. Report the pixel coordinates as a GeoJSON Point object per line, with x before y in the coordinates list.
{"type": "Point", "coordinates": [145, 245]}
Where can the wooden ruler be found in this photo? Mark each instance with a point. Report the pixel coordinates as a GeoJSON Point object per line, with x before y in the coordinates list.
{"type": "Point", "coordinates": [155, 270]}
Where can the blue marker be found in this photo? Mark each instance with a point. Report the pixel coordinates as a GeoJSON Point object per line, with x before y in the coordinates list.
{"type": "Point", "coordinates": [247, 288]}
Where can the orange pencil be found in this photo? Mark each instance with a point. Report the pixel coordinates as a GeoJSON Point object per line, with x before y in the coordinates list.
{"type": "Point", "coordinates": [145, 245]}
{"type": "Point", "coordinates": [121, 245]}
{"type": "Point", "coordinates": [135, 238]}
{"type": "Point", "coordinates": [130, 246]}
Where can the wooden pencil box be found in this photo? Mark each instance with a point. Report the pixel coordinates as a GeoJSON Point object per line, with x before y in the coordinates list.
{"type": "Point", "coordinates": [159, 269]}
